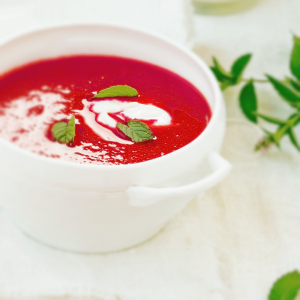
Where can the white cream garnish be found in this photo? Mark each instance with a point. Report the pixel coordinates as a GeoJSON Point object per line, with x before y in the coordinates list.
{"type": "Point", "coordinates": [25, 123]}
{"type": "Point", "coordinates": [28, 132]}
{"type": "Point", "coordinates": [131, 110]}
{"type": "Point", "coordinates": [95, 114]}
{"type": "Point", "coordinates": [90, 120]}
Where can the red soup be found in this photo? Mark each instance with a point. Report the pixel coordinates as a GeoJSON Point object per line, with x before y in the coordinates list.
{"type": "Point", "coordinates": [36, 96]}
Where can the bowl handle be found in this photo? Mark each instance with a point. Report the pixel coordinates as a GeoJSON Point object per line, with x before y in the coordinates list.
{"type": "Point", "coordinates": [140, 196]}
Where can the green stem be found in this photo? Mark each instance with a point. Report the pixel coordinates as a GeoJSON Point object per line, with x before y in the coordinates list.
{"type": "Point", "coordinates": [284, 129]}
{"type": "Point", "coordinates": [278, 135]}
{"type": "Point", "coordinates": [256, 80]}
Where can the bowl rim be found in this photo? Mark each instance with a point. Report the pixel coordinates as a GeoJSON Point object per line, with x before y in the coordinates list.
{"type": "Point", "coordinates": [217, 95]}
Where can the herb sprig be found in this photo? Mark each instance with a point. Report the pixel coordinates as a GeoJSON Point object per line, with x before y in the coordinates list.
{"type": "Point", "coordinates": [287, 287]}
{"type": "Point", "coordinates": [288, 88]}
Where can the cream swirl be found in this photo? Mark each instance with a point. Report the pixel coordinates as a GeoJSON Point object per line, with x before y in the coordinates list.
{"type": "Point", "coordinates": [98, 116]}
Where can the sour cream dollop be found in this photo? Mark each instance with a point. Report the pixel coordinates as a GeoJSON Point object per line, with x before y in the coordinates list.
{"type": "Point", "coordinates": [96, 115]}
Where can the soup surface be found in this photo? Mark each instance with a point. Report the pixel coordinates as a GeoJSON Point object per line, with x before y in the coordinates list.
{"type": "Point", "coordinates": [37, 95]}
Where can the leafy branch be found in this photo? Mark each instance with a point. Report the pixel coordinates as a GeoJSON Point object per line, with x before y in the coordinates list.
{"type": "Point", "coordinates": [288, 89]}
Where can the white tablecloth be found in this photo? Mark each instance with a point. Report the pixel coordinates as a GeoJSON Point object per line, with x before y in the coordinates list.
{"type": "Point", "coordinates": [229, 245]}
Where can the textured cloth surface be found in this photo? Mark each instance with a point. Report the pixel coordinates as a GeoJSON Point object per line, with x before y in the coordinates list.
{"type": "Point", "coordinates": [259, 203]}
{"type": "Point", "coordinates": [230, 244]}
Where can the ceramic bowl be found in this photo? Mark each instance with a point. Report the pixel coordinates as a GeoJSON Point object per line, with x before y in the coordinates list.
{"type": "Point", "coordinates": [92, 208]}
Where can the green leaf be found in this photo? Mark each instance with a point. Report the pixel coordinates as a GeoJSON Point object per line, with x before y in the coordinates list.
{"type": "Point", "coordinates": [284, 129]}
{"type": "Point", "coordinates": [281, 131]}
{"type": "Point", "coordinates": [248, 101]}
{"type": "Point", "coordinates": [286, 288]}
{"type": "Point", "coordinates": [293, 120]}
{"type": "Point", "coordinates": [64, 132]}
{"type": "Point", "coordinates": [293, 139]}
{"type": "Point", "coordinates": [136, 130]}
{"type": "Point", "coordinates": [240, 64]}
{"type": "Point", "coordinates": [270, 119]}
{"type": "Point", "coordinates": [117, 91]}
{"type": "Point", "coordinates": [286, 90]}
{"type": "Point", "coordinates": [227, 79]}
{"type": "Point", "coordinates": [220, 77]}
{"type": "Point", "coordinates": [218, 66]}
{"type": "Point", "coordinates": [295, 84]}
{"type": "Point", "coordinates": [295, 58]}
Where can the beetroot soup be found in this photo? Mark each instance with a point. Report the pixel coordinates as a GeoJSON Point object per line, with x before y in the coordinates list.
{"type": "Point", "coordinates": [37, 96]}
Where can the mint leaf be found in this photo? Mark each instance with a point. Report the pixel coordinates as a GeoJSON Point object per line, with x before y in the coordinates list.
{"type": "Point", "coordinates": [271, 119]}
{"type": "Point", "coordinates": [286, 90]}
{"type": "Point", "coordinates": [117, 91]}
{"type": "Point", "coordinates": [64, 132]}
{"type": "Point", "coordinates": [248, 101]}
{"type": "Point", "coordinates": [295, 84]}
{"type": "Point", "coordinates": [220, 77]}
{"type": "Point", "coordinates": [136, 130]}
{"type": "Point", "coordinates": [225, 78]}
{"type": "Point", "coordinates": [295, 58]}
{"type": "Point", "coordinates": [239, 65]}
{"type": "Point", "coordinates": [225, 74]}
{"type": "Point", "coordinates": [286, 288]}
{"type": "Point", "coordinates": [293, 139]}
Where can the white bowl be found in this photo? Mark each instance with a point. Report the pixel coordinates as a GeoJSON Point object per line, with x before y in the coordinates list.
{"type": "Point", "coordinates": [92, 208]}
